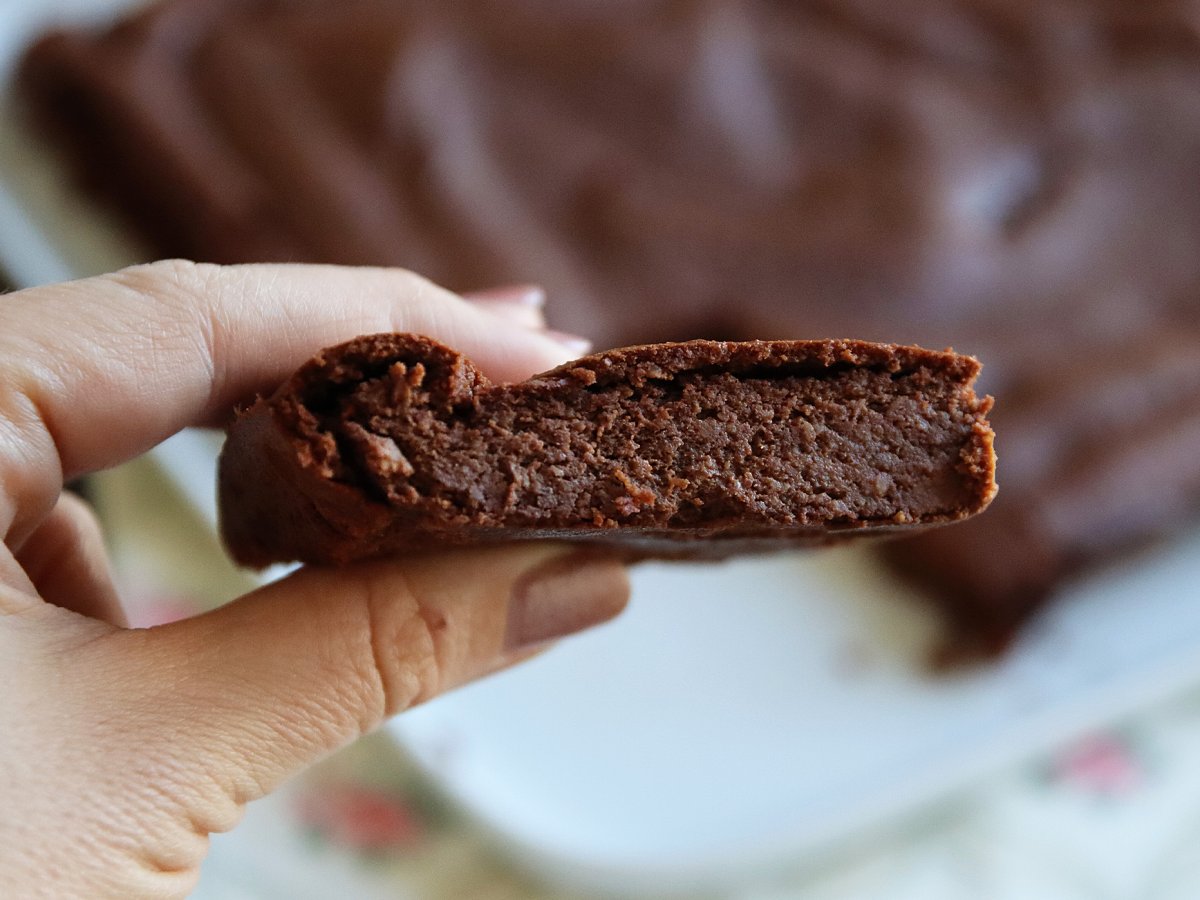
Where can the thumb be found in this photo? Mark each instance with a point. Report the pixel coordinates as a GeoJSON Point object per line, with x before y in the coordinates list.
{"type": "Point", "coordinates": [296, 669]}
{"type": "Point", "coordinates": [124, 749]}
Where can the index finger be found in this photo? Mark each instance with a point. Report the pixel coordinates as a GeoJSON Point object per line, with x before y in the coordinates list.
{"type": "Point", "coordinates": [94, 372]}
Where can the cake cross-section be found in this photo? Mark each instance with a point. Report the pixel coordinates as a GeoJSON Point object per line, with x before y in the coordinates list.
{"type": "Point", "coordinates": [394, 443]}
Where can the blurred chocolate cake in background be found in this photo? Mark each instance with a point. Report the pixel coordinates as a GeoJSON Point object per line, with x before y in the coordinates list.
{"type": "Point", "coordinates": [1016, 178]}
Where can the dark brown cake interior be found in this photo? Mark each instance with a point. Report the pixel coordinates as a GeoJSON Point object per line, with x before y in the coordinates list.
{"type": "Point", "coordinates": [777, 446]}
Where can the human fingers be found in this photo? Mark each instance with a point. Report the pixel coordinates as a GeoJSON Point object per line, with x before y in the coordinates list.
{"type": "Point", "coordinates": [520, 303]}
{"type": "Point", "coordinates": [374, 640]}
{"type": "Point", "coordinates": [95, 371]}
{"type": "Point", "coordinates": [185, 723]}
{"type": "Point", "coordinates": [525, 304]}
{"type": "Point", "coordinates": [66, 561]}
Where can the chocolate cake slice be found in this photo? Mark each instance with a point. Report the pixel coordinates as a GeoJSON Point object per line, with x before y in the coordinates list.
{"type": "Point", "coordinates": [393, 442]}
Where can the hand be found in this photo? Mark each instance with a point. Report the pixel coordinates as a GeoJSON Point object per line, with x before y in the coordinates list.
{"type": "Point", "coordinates": [123, 749]}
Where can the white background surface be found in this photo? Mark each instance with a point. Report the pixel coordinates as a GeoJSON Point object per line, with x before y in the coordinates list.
{"type": "Point", "coordinates": [740, 716]}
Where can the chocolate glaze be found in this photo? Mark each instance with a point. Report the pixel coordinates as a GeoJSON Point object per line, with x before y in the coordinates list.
{"type": "Point", "coordinates": [1013, 177]}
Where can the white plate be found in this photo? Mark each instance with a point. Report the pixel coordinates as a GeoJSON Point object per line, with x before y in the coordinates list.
{"type": "Point", "coordinates": [740, 717]}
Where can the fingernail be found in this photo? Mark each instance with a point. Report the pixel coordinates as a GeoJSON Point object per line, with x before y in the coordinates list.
{"type": "Point", "coordinates": [573, 342]}
{"type": "Point", "coordinates": [564, 596]}
{"type": "Point", "coordinates": [518, 294]}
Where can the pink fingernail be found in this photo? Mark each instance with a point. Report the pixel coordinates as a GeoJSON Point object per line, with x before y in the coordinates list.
{"type": "Point", "coordinates": [518, 294]}
{"type": "Point", "coordinates": [564, 596]}
{"type": "Point", "coordinates": [573, 342]}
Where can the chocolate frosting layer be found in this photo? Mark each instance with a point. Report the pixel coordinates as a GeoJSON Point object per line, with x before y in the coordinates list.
{"type": "Point", "coordinates": [1016, 178]}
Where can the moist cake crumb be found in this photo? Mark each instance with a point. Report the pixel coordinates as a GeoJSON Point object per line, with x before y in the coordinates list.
{"type": "Point", "coordinates": [700, 449]}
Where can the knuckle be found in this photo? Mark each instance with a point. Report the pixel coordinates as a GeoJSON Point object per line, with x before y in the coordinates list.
{"type": "Point", "coordinates": [177, 281]}
{"type": "Point", "coordinates": [169, 283]}
{"type": "Point", "coordinates": [418, 289]}
{"type": "Point", "coordinates": [171, 272]}
{"type": "Point", "coordinates": [406, 643]}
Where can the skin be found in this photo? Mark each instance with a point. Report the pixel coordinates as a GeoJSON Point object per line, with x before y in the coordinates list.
{"type": "Point", "coordinates": [123, 749]}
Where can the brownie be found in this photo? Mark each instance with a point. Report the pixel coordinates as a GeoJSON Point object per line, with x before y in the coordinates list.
{"type": "Point", "coordinates": [393, 442]}
{"type": "Point", "coordinates": [1014, 178]}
